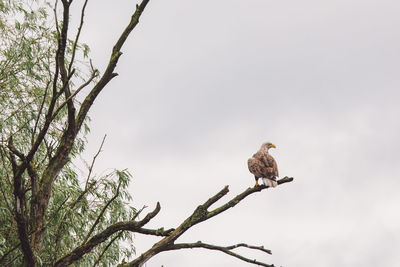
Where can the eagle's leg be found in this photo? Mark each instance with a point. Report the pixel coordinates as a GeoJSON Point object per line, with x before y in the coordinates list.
{"type": "Point", "coordinates": [256, 183]}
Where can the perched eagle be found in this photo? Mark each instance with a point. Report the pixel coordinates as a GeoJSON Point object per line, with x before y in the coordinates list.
{"type": "Point", "coordinates": [263, 165]}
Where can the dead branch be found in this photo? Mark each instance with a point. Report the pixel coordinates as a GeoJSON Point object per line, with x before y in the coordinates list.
{"type": "Point", "coordinates": [200, 214]}
{"type": "Point", "coordinates": [155, 232]}
{"type": "Point", "coordinates": [227, 250]}
{"type": "Point", "coordinates": [77, 36]}
{"type": "Point", "coordinates": [109, 72]}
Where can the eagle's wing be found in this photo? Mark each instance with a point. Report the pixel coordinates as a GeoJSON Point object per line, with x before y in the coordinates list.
{"type": "Point", "coordinates": [255, 167]}
{"type": "Point", "coordinates": [275, 167]}
{"type": "Point", "coordinates": [271, 168]}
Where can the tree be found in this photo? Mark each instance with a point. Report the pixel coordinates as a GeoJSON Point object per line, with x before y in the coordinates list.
{"type": "Point", "coordinates": [49, 214]}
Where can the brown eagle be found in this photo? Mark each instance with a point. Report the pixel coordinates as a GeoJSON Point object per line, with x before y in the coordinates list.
{"type": "Point", "coordinates": [263, 165]}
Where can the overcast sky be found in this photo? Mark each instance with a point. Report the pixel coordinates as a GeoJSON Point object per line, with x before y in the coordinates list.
{"type": "Point", "coordinates": [203, 84]}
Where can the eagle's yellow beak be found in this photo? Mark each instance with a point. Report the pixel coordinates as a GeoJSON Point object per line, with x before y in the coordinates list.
{"type": "Point", "coordinates": [272, 145]}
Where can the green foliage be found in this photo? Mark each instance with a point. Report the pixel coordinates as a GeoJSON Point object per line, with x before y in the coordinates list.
{"type": "Point", "coordinates": [28, 46]}
{"type": "Point", "coordinates": [76, 207]}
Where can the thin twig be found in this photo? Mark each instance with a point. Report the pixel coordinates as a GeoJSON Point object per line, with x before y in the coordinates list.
{"type": "Point", "coordinates": [226, 250]}
{"type": "Point", "coordinates": [77, 36]}
{"type": "Point", "coordinates": [94, 75]}
{"type": "Point", "coordinates": [261, 248]}
{"type": "Point", "coordinates": [94, 160]}
{"type": "Point", "coordinates": [101, 213]}
{"type": "Point", "coordinates": [40, 111]}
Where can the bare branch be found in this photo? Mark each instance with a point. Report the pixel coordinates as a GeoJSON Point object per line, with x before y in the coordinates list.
{"type": "Point", "coordinates": [14, 150]}
{"type": "Point", "coordinates": [226, 250]}
{"type": "Point", "coordinates": [261, 248]}
{"type": "Point", "coordinates": [155, 232]}
{"type": "Point", "coordinates": [56, 17]}
{"type": "Point", "coordinates": [109, 72]}
{"type": "Point", "coordinates": [94, 75]}
{"type": "Point", "coordinates": [150, 215]}
{"type": "Point", "coordinates": [138, 213]}
{"type": "Point", "coordinates": [200, 214]}
{"type": "Point", "coordinates": [241, 196]}
{"type": "Point", "coordinates": [77, 36]}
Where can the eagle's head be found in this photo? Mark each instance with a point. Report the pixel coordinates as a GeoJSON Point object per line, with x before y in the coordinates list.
{"type": "Point", "coordinates": [267, 146]}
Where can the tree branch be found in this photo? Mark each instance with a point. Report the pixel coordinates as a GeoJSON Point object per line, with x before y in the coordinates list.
{"type": "Point", "coordinates": [261, 248]}
{"type": "Point", "coordinates": [65, 76]}
{"type": "Point", "coordinates": [241, 196]}
{"type": "Point", "coordinates": [200, 214]}
{"type": "Point", "coordinates": [19, 202]}
{"type": "Point", "coordinates": [226, 250]}
{"type": "Point", "coordinates": [34, 201]}
{"type": "Point", "coordinates": [12, 148]}
{"type": "Point", "coordinates": [109, 72]}
{"type": "Point", "coordinates": [99, 238]}
{"type": "Point", "coordinates": [40, 111]}
{"type": "Point", "coordinates": [106, 248]}
{"type": "Point", "coordinates": [77, 36]}
{"type": "Point", "coordinates": [155, 232]}
{"type": "Point", "coordinates": [94, 75]}
{"type": "Point", "coordinates": [101, 213]}
{"type": "Point", "coordinates": [94, 160]}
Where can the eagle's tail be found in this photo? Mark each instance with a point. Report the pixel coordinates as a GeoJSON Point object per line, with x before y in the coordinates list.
{"type": "Point", "coordinates": [269, 182]}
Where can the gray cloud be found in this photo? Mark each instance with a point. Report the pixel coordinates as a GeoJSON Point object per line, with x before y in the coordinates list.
{"type": "Point", "coordinates": [203, 84]}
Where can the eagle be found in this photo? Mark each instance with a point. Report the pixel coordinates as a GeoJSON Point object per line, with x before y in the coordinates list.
{"type": "Point", "coordinates": [264, 166]}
